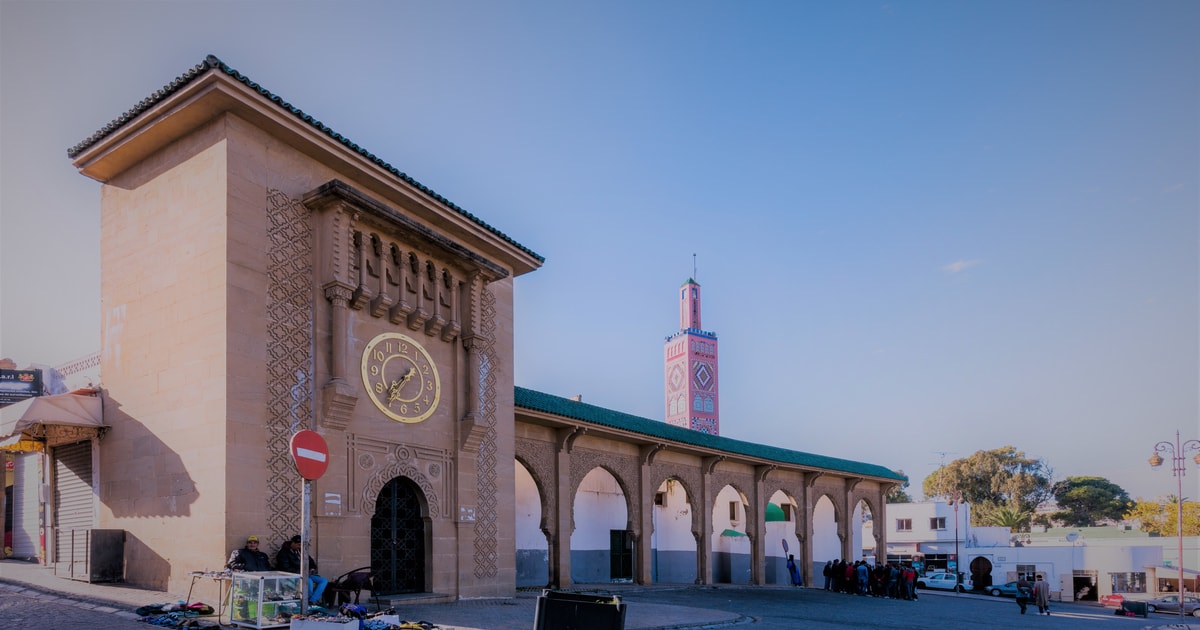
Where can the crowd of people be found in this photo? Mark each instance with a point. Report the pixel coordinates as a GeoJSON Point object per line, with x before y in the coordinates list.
{"type": "Point", "coordinates": [892, 580]}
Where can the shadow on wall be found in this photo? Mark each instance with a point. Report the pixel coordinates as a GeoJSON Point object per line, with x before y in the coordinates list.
{"type": "Point", "coordinates": [140, 476]}
{"type": "Point", "coordinates": [153, 571]}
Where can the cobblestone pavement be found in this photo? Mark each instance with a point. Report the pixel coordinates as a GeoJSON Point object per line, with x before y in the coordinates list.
{"type": "Point", "coordinates": [33, 609]}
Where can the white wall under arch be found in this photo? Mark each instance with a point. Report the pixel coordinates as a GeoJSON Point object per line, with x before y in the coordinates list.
{"type": "Point", "coordinates": [599, 507]}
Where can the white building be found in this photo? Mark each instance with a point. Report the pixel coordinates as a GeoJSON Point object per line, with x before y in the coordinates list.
{"type": "Point", "coordinates": [1083, 563]}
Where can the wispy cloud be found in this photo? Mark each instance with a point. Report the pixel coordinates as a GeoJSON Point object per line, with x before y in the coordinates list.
{"type": "Point", "coordinates": [960, 265]}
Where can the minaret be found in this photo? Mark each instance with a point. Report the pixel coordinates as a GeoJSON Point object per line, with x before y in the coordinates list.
{"type": "Point", "coordinates": [690, 361]}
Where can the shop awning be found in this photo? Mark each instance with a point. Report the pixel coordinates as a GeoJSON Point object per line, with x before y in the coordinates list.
{"type": "Point", "coordinates": [36, 423]}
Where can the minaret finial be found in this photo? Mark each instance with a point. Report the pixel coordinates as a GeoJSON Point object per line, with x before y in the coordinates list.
{"type": "Point", "coordinates": [694, 267]}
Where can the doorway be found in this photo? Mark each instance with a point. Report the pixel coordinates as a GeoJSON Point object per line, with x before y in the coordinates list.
{"type": "Point", "coordinates": [398, 533]}
{"type": "Point", "coordinates": [620, 554]}
{"type": "Point", "coordinates": [981, 572]}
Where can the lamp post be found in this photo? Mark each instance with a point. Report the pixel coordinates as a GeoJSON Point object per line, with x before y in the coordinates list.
{"type": "Point", "coordinates": [955, 500]}
{"type": "Point", "coordinates": [1177, 452]}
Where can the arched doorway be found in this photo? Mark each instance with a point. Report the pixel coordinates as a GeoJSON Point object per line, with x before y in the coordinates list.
{"type": "Point", "coordinates": [981, 572]}
{"type": "Point", "coordinates": [398, 534]}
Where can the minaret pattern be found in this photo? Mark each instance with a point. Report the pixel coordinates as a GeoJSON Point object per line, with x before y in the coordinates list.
{"type": "Point", "coordinates": [690, 366]}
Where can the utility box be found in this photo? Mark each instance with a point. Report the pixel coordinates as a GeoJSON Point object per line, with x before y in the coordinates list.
{"type": "Point", "coordinates": [92, 555]}
{"type": "Point", "coordinates": [1132, 609]}
{"type": "Point", "coordinates": [578, 611]}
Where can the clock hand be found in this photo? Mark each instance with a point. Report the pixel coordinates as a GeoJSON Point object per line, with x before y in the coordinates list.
{"type": "Point", "coordinates": [394, 388]}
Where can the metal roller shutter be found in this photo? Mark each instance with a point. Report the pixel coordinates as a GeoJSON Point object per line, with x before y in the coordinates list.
{"type": "Point", "coordinates": [28, 478]}
{"type": "Point", "coordinates": [74, 507]}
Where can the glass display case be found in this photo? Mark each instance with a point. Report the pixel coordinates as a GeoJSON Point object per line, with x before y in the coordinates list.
{"type": "Point", "coordinates": [265, 599]}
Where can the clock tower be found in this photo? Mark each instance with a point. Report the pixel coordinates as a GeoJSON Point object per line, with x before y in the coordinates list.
{"type": "Point", "coordinates": [690, 364]}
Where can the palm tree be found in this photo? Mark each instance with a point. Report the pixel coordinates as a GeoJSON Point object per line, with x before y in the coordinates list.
{"type": "Point", "coordinates": [1012, 518]}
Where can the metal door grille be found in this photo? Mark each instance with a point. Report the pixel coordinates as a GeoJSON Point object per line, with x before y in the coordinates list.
{"type": "Point", "coordinates": [398, 539]}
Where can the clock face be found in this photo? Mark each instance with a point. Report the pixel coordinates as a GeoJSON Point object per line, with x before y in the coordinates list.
{"type": "Point", "coordinates": [401, 378]}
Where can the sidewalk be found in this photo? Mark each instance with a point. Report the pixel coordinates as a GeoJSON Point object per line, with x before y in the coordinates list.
{"type": "Point", "coordinates": [515, 612]}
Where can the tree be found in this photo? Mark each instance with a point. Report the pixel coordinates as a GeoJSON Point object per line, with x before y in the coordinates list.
{"type": "Point", "coordinates": [1085, 501]}
{"type": "Point", "coordinates": [897, 493]}
{"type": "Point", "coordinates": [1161, 517]}
{"type": "Point", "coordinates": [991, 479]}
{"type": "Point", "coordinates": [1004, 516]}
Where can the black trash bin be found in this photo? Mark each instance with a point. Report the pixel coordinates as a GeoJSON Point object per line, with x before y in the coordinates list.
{"type": "Point", "coordinates": [1132, 608]}
{"type": "Point", "coordinates": [557, 610]}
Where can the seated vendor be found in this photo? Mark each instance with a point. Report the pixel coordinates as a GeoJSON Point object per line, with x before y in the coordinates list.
{"type": "Point", "coordinates": [289, 560]}
{"type": "Point", "coordinates": [249, 558]}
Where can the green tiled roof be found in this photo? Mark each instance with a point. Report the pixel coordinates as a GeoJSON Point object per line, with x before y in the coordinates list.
{"type": "Point", "coordinates": [547, 403]}
{"type": "Point", "coordinates": [212, 63]}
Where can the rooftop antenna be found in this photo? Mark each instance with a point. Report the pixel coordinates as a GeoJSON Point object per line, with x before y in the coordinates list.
{"type": "Point", "coordinates": [941, 466]}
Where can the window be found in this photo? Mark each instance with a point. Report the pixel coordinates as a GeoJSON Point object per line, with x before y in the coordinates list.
{"type": "Point", "coordinates": [1128, 582]}
{"type": "Point", "coordinates": [698, 404]}
{"type": "Point", "coordinates": [660, 498]}
{"type": "Point", "coordinates": [1028, 572]}
{"type": "Point", "coordinates": [787, 511]}
{"type": "Point", "coordinates": [937, 523]}
{"type": "Point", "coordinates": [733, 510]}
{"type": "Point", "coordinates": [904, 524]}
{"type": "Point", "coordinates": [708, 405]}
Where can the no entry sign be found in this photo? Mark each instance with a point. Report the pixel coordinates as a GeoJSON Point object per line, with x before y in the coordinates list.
{"type": "Point", "coordinates": [310, 453]}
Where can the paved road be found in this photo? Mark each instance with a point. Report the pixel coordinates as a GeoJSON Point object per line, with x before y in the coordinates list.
{"type": "Point", "coordinates": [789, 609]}
{"type": "Point", "coordinates": [773, 609]}
{"type": "Point", "coordinates": [732, 608]}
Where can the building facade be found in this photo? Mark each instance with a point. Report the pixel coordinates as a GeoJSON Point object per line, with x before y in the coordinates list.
{"type": "Point", "coordinates": [261, 274]}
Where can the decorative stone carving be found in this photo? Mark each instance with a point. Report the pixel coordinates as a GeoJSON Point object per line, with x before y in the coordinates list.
{"type": "Point", "coordinates": [289, 363]}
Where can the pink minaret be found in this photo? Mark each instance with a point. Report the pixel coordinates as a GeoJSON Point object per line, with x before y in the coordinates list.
{"type": "Point", "coordinates": [690, 360]}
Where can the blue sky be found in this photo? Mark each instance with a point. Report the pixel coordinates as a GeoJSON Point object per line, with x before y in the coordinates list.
{"type": "Point", "coordinates": [921, 227]}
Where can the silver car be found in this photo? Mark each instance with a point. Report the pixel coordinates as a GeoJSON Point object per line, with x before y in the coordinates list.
{"type": "Point", "coordinates": [1170, 604]}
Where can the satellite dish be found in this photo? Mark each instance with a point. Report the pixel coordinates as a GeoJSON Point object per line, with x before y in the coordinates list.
{"type": "Point", "coordinates": [1072, 537]}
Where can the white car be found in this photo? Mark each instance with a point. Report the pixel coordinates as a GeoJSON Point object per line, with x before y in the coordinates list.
{"type": "Point", "coordinates": [944, 581]}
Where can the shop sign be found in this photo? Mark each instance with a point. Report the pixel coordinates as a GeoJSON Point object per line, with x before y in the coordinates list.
{"type": "Point", "coordinates": [17, 385]}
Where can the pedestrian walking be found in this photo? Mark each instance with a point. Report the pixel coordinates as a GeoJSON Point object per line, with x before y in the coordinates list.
{"type": "Point", "coordinates": [1041, 595]}
{"type": "Point", "coordinates": [1024, 592]}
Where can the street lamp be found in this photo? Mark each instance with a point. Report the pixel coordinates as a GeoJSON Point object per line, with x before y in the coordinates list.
{"type": "Point", "coordinates": [955, 500]}
{"type": "Point", "coordinates": [1177, 452]}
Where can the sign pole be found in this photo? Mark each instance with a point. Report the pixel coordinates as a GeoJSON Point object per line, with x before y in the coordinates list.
{"type": "Point", "coordinates": [305, 517]}
{"type": "Point", "coordinates": [311, 456]}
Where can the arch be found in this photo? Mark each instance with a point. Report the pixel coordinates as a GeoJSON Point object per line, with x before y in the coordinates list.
{"type": "Point", "coordinates": [863, 534]}
{"type": "Point", "coordinates": [601, 545]}
{"type": "Point", "coordinates": [673, 551]}
{"type": "Point", "coordinates": [780, 516]}
{"type": "Point", "coordinates": [730, 541]}
{"type": "Point", "coordinates": [531, 532]}
{"type": "Point", "coordinates": [826, 543]}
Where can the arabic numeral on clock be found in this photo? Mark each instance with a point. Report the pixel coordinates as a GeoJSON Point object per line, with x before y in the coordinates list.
{"type": "Point", "coordinates": [379, 388]}
{"type": "Point", "coordinates": [416, 408]}
{"type": "Point", "coordinates": [374, 370]}
{"type": "Point", "coordinates": [379, 356]}
{"type": "Point", "coordinates": [429, 385]}
{"type": "Point", "coordinates": [403, 407]}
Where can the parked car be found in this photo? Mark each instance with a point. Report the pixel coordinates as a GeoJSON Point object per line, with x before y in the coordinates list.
{"type": "Point", "coordinates": [1113, 600]}
{"type": "Point", "coordinates": [944, 581]}
{"type": "Point", "coordinates": [1008, 589]}
{"type": "Point", "coordinates": [1170, 604]}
